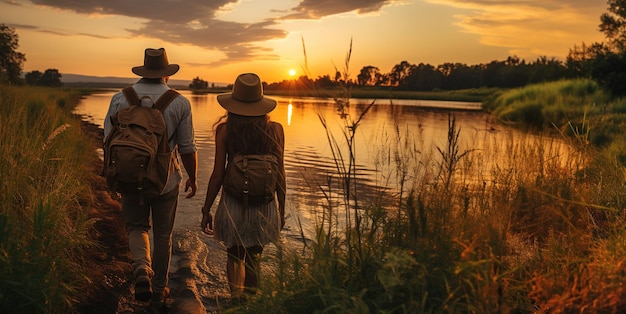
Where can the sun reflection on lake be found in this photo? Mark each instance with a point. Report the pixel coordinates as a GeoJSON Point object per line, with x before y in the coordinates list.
{"type": "Point", "coordinates": [289, 112]}
{"type": "Point", "coordinates": [309, 160]}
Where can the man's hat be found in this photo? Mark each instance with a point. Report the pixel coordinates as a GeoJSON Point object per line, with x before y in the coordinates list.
{"type": "Point", "coordinates": [247, 98]}
{"type": "Point", "coordinates": [155, 64]}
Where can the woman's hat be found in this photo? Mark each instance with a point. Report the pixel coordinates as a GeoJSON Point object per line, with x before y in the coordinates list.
{"type": "Point", "coordinates": [155, 64]}
{"type": "Point", "coordinates": [247, 97]}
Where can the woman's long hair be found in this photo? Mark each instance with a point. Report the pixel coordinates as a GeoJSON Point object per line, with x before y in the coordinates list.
{"type": "Point", "coordinates": [248, 135]}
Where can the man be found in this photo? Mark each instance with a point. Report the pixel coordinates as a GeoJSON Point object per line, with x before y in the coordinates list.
{"type": "Point", "coordinates": [151, 265]}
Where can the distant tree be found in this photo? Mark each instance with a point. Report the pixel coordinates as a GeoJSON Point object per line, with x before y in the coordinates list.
{"type": "Point", "coordinates": [608, 64]}
{"type": "Point", "coordinates": [493, 73]}
{"type": "Point", "coordinates": [10, 60]}
{"type": "Point", "coordinates": [580, 59]}
{"type": "Point", "coordinates": [510, 73]}
{"type": "Point", "coordinates": [609, 70]}
{"type": "Point", "coordinates": [33, 77]}
{"type": "Point", "coordinates": [423, 77]}
{"type": "Point", "coordinates": [613, 24]}
{"type": "Point", "coordinates": [399, 73]}
{"type": "Point", "coordinates": [338, 77]}
{"type": "Point", "coordinates": [369, 76]}
{"type": "Point", "coordinates": [51, 77]}
{"type": "Point", "coordinates": [324, 82]}
{"type": "Point", "coordinates": [460, 76]}
{"type": "Point", "coordinates": [198, 83]}
{"type": "Point", "coordinates": [546, 70]}
{"type": "Point", "coordinates": [305, 82]}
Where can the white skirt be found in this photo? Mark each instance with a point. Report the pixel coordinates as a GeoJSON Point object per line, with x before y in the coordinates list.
{"type": "Point", "coordinates": [257, 225]}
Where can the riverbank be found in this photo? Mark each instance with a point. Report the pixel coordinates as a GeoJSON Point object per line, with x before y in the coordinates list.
{"type": "Point", "coordinates": [542, 233]}
{"type": "Point", "coordinates": [464, 95]}
{"type": "Point", "coordinates": [193, 259]}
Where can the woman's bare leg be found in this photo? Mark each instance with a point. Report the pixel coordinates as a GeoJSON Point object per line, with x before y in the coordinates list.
{"type": "Point", "coordinates": [235, 271]}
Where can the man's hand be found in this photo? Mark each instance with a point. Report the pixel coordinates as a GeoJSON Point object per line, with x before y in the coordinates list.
{"type": "Point", "coordinates": [191, 184]}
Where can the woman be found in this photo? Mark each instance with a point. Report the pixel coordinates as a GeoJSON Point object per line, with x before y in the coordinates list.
{"type": "Point", "coordinates": [245, 229]}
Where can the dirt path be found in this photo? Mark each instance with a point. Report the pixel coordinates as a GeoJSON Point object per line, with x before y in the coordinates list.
{"type": "Point", "coordinates": [197, 276]}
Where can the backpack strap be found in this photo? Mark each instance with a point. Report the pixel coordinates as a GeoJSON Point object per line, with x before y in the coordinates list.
{"type": "Point", "coordinates": [131, 96]}
{"type": "Point", "coordinates": [165, 100]}
{"type": "Point", "coordinates": [162, 103]}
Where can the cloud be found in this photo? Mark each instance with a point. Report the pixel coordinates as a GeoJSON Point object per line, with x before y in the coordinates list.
{"type": "Point", "coordinates": [12, 3]}
{"type": "Point", "coordinates": [235, 40]}
{"type": "Point", "coordinates": [174, 11]}
{"type": "Point", "coordinates": [194, 22]}
{"type": "Point", "coordinates": [315, 9]}
{"type": "Point", "coordinates": [528, 27]}
{"type": "Point", "coordinates": [184, 22]}
{"type": "Point", "coordinates": [53, 32]}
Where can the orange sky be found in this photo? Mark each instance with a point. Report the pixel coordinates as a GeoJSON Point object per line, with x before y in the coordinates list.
{"type": "Point", "coordinates": [218, 39]}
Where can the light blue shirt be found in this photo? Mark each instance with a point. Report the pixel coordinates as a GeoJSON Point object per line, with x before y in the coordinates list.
{"type": "Point", "coordinates": [177, 119]}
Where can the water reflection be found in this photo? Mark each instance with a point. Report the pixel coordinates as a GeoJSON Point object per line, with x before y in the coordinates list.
{"type": "Point", "coordinates": [289, 112]}
{"type": "Point", "coordinates": [390, 129]}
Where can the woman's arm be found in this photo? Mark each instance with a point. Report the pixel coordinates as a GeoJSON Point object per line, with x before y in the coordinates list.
{"type": "Point", "coordinates": [216, 179]}
{"type": "Point", "coordinates": [282, 181]}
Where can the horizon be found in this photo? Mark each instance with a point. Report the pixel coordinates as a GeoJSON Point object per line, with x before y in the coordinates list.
{"type": "Point", "coordinates": [284, 39]}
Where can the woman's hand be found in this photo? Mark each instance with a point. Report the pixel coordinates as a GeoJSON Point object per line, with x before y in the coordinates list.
{"type": "Point", "coordinates": [282, 222]}
{"type": "Point", "coordinates": [207, 222]}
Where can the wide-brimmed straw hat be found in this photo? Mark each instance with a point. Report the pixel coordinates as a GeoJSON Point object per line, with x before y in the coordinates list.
{"type": "Point", "coordinates": [155, 64]}
{"type": "Point", "coordinates": [247, 97]}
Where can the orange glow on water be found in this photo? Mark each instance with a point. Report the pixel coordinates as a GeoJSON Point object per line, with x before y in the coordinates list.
{"type": "Point", "coordinates": [289, 112]}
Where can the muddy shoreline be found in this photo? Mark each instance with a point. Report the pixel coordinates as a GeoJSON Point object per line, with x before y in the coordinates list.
{"type": "Point", "coordinates": [197, 277]}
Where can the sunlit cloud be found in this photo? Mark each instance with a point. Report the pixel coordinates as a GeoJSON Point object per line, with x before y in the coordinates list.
{"type": "Point", "coordinates": [197, 23]}
{"type": "Point", "coordinates": [315, 9]}
{"type": "Point", "coordinates": [173, 11]}
{"type": "Point", "coordinates": [94, 36]}
{"type": "Point", "coordinates": [55, 32]}
{"type": "Point", "coordinates": [12, 3]}
{"type": "Point", "coordinates": [23, 26]}
{"type": "Point", "coordinates": [528, 27]}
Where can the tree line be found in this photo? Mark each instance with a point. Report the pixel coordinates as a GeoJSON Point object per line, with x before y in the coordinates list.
{"type": "Point", "coordinates": [603, 62]}
{"type": "Point", "coordinates": [512, 72]}
{"type": "Point", "coordinates": [11, 62]}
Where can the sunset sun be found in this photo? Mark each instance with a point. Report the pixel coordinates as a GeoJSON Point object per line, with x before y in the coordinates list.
{"type": "Point", "coordinates": [292, 72]}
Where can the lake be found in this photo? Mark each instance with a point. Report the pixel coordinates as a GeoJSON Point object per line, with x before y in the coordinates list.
{"type": "Point", "coordinates": [309, 159]}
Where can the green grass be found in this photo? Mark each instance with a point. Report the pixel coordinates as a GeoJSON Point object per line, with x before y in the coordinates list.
{"type": "Point", "coordinates": [538, 229]}
{"type": "Point", "coordinates": [578, 109]}
{"type": "Point", "coordinates": [44, 179]}
{"type": "Point", "coordinates": [544, 106]}
{"type": "Point", "coordinates": [466, 241]}
{"type": "Point", "coordinates": [467, 95]}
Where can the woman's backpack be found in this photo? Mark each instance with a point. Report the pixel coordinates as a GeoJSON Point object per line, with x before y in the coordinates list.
{"type": "Point", "coordinates": [252, 178]}
{"type": "Point", "coordinates": [137, 155]}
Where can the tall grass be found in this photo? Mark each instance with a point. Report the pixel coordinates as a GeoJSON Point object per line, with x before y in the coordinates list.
{"type": "Point", "coordinates": [546, 105]}
{"type": "Point", "coordinates": [531, 224]}
{"type": "Point", "coordinates": [44, 178]}
{"type": "Point", "coordinates": [465, 95]}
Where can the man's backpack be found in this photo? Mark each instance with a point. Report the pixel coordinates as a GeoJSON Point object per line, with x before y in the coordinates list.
{"type": "Point", "coordinates": [137, 156]}
{"type": "Point", "coordinates": [252, 178]}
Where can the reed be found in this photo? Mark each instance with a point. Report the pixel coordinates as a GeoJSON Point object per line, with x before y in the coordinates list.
{"type": "Point", "coordinates": [531, 224]}
{"type": "Point", "coordinates": [464, 95]}
{"type": "Point", "coordinates": [546, 105]}
{"type": "Point", "coordinates": [42, 223]}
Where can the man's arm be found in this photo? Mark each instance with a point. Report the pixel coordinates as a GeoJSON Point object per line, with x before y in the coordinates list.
{"type": "Point", "coordinates": [190, 162]}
